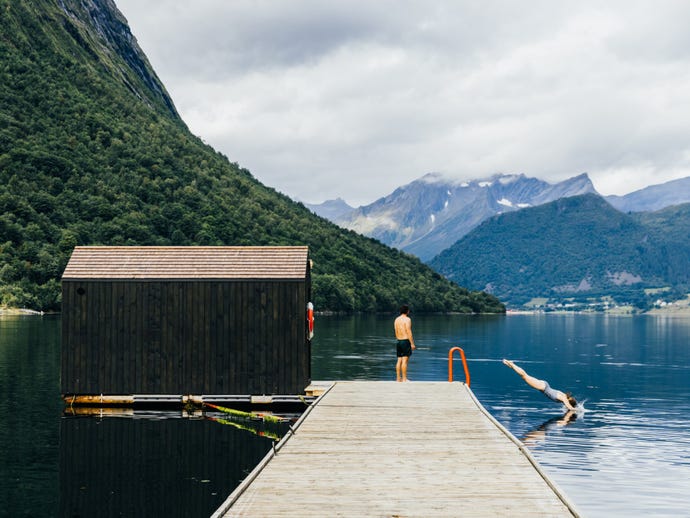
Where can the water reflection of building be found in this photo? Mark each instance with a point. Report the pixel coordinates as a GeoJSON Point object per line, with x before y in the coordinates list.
{"type": "Point", "coordinates": [151, 466]}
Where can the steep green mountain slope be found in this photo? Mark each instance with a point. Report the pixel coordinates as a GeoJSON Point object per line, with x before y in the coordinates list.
{"type": "Point", "coordinates": [92, 151]}
{"type": "Point", "coordinates": [576, 248]}
{"type": "Point", "coordinates": [670, 227]}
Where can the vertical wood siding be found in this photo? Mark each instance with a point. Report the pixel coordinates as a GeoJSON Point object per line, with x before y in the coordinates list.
{"type": "Point", "coordinates": [185, 337]}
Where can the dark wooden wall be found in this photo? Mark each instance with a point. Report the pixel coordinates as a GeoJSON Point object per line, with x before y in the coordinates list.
{"type": "Point", "coordinates": [185, 337]}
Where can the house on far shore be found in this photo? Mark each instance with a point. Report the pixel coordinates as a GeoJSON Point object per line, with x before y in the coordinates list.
{"type": "Point", "coordinates": [172, 321]}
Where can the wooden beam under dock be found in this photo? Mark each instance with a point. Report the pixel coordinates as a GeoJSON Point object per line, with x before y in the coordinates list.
{"type": "Point", "coordinates": [398, 449]}
{"type": "Point", "coordinates": [98, 400]}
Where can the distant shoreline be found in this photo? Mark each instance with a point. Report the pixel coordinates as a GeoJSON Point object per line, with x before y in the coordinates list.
{"type": "Point", "coordinates": [678, 309]}
{"type": "Point", "coordinates": [19, 311]}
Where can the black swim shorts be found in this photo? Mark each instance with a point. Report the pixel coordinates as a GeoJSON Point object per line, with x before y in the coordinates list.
{"type": "Point", "coordinates": [404, 348]}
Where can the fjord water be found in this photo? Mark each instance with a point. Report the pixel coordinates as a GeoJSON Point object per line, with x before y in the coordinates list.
{"type": "Point", "coordinates": [144, 463]}
{"type": "Point", "coordinates": [627, 454]}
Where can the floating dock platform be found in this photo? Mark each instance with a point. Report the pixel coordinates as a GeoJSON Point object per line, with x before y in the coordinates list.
{"type": "Point", "coordinates": [392, 449]}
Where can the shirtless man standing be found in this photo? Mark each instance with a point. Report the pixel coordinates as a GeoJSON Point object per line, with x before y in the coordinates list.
{"type": "Point", "coordinates": [403, 332]}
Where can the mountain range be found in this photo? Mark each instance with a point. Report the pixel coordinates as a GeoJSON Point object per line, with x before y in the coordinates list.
{"type": "Point", "coordinates": [428, 215]}
{"type": "Point", "coordinates": [575, 249]}
{"type": "Point", "coordinates": [654, 197]}
{"type": "Point", "coordinates": [93, 152]}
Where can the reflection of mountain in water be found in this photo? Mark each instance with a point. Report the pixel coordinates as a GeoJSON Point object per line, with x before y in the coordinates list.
{"type": "Point", "coordinates": [152, 466]}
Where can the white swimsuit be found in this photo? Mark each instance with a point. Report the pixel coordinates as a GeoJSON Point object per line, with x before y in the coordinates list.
{"type": "Point", "coordinates": [550, 393]}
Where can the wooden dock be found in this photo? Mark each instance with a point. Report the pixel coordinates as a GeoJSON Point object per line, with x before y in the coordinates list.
{"type": "Point", "coordinates": [397, 449]}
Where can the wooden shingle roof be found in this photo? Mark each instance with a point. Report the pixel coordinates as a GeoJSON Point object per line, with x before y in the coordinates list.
{"type": "Point", "coordinates": [187, 262]}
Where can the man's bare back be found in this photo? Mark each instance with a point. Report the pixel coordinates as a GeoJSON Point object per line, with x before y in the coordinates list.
{"type": "Point", "coordinates": [403, 328]}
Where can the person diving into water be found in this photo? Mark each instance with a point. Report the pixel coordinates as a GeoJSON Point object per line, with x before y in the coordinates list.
{"type": "Point", "coordinates": [554, 395]}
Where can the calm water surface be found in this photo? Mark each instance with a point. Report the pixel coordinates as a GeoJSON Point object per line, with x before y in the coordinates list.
{"type": "Point", "coordinates": [137, 464]}
{"type": "Point", "coordinates": [628, 454]}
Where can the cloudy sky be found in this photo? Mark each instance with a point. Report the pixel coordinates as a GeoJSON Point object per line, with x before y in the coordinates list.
{"type": "Point", "coordinates": [354, 98]}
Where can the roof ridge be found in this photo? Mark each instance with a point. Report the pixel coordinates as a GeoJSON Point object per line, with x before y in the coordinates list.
{"type": "Point", "coordinates": [187, 262]}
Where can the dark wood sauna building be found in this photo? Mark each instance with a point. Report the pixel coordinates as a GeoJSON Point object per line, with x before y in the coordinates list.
{"type": "Point", "coordinates": [186, 321]}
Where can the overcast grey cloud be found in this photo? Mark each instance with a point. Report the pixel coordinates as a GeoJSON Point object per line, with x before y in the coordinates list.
{"type": "Point", "coordinates": [355, 98]}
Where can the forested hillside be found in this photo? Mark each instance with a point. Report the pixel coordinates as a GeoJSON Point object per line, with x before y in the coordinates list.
{"type": "Point", "coordinates": [670, 227]}
{"type": "Point", "coordinates": [576, 249]}
{"type": "Point", "coordinates": [92, 151]}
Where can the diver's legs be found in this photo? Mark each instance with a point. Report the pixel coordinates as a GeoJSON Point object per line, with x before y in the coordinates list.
{"type": "Point", "coordinates": [530, 380]}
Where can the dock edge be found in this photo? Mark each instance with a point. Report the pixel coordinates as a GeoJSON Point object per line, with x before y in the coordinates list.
{"type": "Point", "coordinates": [241, 488]}
{"type": "Point", "coordinates": [525, 451]}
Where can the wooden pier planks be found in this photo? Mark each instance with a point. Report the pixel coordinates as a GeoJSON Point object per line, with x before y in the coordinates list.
{"type": "Point", "coordinates": [398, 449]}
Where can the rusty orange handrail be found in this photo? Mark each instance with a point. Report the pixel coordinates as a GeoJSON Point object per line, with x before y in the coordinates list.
{"type": "Point", "coordinates": [464, 364]}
